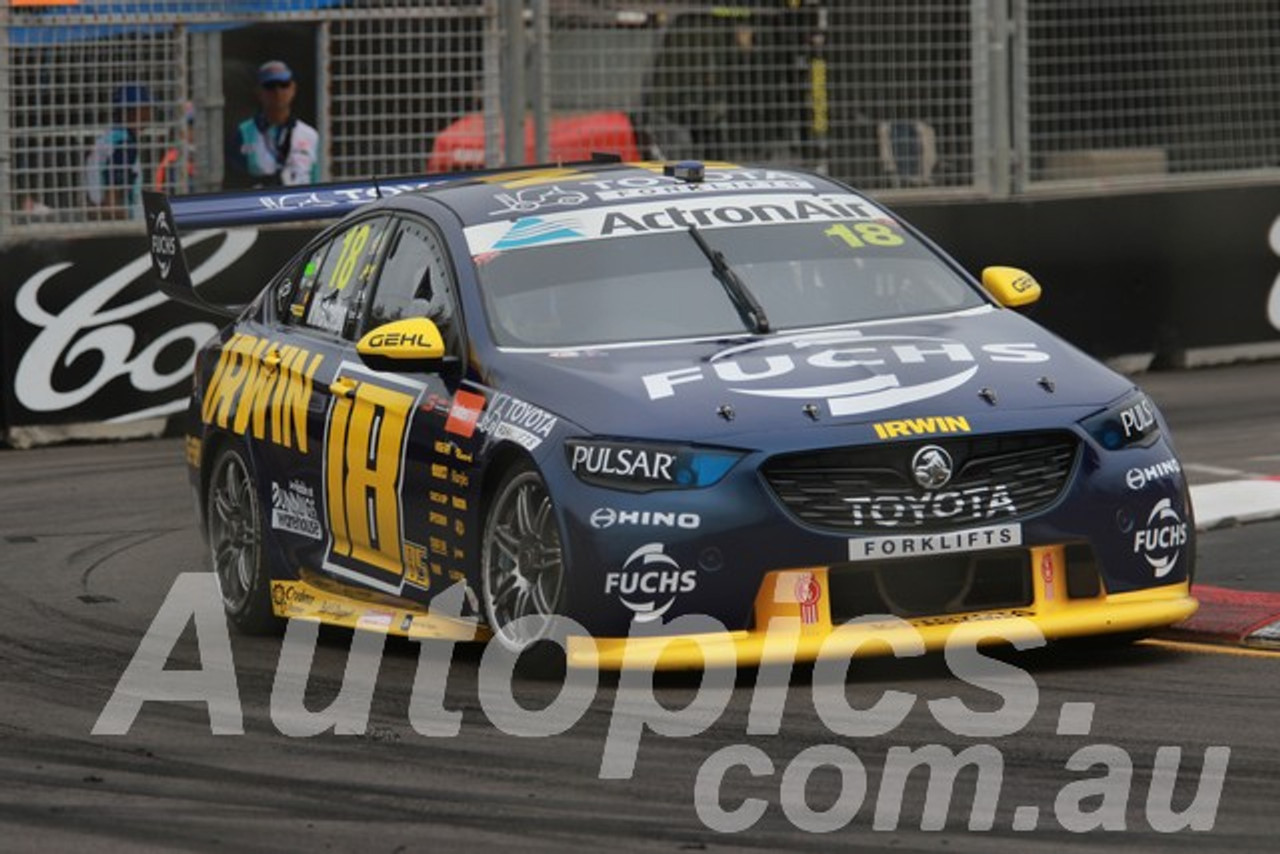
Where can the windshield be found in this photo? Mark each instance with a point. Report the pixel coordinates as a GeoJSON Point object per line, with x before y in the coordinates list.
{"type": "Point", "coordinates": [662, 286]}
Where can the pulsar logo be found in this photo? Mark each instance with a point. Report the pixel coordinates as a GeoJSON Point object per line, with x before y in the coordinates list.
{"type": "Point", "coordinates": [1161, 541]}
{"type": "Point", "coordinates": [530, 199]}
{"type": "Point", "coordinates": [86, 329]}
{"type": "Point", "coordinates": [868, 373]}
{"type": "Point", "coordinates": [649, 581]}
{"type": "Point", "coordinates": [931, 467]}
{"type": "Point", "coordinates": [535, 230]}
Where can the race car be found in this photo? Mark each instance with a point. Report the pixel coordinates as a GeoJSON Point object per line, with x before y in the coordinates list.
{"type": "Point", "coordinates": [703, 413]}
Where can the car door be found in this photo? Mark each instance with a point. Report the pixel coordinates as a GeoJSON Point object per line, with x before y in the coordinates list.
{"type": "Point", "coordinates": [416, 280]}
{"type": "Point", "coordinates": [356, 429]}
{"type": "Point", "coordinates": [394, 480]}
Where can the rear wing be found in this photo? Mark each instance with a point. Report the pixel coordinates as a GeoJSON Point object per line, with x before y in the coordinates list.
{"type": "Point", "coordinates": [165, 216]}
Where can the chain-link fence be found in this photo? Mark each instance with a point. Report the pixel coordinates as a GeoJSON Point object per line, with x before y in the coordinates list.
{"type": "Point", "coordinates": [920, 97]}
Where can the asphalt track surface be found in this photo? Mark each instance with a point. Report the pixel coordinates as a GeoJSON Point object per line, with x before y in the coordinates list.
{"type": "Point", "coordinates": [93, 537]}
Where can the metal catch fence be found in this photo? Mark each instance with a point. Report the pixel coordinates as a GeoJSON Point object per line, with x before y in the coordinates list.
{"type": "Point", "coordinates": [921, 98]}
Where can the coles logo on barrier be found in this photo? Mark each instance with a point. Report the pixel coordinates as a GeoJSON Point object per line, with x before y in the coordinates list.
{"type": "Point", "coordinates": [90, 335]}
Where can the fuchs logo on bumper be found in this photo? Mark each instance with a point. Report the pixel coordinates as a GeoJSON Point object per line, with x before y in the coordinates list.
{"type": "Point", "coordinates": [649, 581]}
{"type": "Point", "coordinates": [1161, 541]}
{"type": "Point", "coordinates": [868, 373]}
{"type": "Point", "coordinates": [889, 511]}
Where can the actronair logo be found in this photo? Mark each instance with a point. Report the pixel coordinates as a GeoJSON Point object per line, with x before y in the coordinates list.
{"type": "Point", "coordinates": [672, 214]}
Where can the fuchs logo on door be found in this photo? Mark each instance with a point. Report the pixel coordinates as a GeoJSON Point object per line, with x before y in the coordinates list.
{"type": "Point", "coordinates": [853, 372]}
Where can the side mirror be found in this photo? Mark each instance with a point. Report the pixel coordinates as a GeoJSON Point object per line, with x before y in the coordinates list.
{"type": "Point", "coordinates": [1012, 288]}
{"type": "Point", "coordinates": [411, 339]}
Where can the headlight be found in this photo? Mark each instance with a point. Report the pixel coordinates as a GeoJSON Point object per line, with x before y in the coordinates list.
{"type": "Point", "coordinates": [1132, 422]}
{"type": "Point", "coordinates": [646, 466]}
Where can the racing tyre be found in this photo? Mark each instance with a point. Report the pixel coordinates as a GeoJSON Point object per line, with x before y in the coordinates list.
{"type": "Point", "coordinates": [522, 562]}
{"type": "Point", "coordinates": [233, 519]}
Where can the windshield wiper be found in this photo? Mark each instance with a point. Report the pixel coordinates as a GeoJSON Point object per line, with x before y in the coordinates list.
{"type": "Point", "coordinates": [749, 308]}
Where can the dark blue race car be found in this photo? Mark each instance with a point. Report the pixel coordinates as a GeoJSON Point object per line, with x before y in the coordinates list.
{"type": "Point", "coordinates": [624, 395]}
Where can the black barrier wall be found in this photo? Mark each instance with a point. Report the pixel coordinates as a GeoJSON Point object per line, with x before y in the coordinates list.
{"type": "Point", "coordinates": [1166, 273]}
{"type": "Point", "coordinates": [88, 340]}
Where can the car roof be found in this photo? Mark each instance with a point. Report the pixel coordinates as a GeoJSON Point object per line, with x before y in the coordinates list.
{"type": "Point", "coordinates": [511, 194]}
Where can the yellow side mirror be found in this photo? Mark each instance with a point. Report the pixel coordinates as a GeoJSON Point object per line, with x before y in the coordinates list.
{"type": "Point", "coordinates": [1011, 287]}
{"type": "Point", "coordinates": [411, 338]}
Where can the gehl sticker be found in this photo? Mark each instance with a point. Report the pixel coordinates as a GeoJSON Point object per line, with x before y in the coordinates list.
{"type": "Point", "coordinates": [256, 378]}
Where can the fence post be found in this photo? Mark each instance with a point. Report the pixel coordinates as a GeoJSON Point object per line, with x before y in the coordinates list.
{"type": "Point", "coordinates": [6, 127]}
{"type": "Point", "coordinates": [513, 95]}
{"type": "Point", "coordinates": [208, 98]}
{"type": "Point", "coordinates": [539, 91]}
{"type": "Point", "coordinates": [996, 25]}
{"type": "Point", "coordinates": [324, 96]}
{"type": "Point", "coordinates": [1020, 85]}
{"type": "Point", "coordinates": [492, 64]}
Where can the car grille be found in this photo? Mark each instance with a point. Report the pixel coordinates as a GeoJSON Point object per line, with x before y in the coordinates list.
{"type": "Point", "coordinates": [870, 489]}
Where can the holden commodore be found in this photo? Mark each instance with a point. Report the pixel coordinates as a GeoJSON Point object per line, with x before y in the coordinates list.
{"type": "Point", "coordinates": [599, 400]}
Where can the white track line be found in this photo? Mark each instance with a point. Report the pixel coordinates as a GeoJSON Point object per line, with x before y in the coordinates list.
{"type": "Point", "coordinates": [1235, 501]}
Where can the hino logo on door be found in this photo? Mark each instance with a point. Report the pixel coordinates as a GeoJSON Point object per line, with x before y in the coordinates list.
{"type": "Point", "coordinates": [856, 373]}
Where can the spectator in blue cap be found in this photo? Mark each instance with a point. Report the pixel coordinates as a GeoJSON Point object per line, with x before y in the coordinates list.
{"type": "Point", "coordinates": [112, 172]}
{"type": "Point", "coordinates": [274, 147]}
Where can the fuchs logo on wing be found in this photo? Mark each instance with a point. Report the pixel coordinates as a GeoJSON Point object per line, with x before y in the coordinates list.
{"type": "Point", "coordinates": [891, 511]}
{"type": "Point", "coordinates": [1161, 541]}
{"type": "Point", "coordinates": [164, 244]}
{"type": "Point", "coordinates": [853, 372]}
{"type": "Point", "coordinates": [649, 581]}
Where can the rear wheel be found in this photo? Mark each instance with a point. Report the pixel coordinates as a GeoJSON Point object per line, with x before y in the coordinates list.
{"type": "Point", "coordinates": [522, 561]}
{"type": "Point", "coordinates": [233, 519]}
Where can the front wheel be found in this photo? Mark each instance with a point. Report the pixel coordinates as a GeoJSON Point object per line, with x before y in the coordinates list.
{"type": "Point", "coordinates": [522, 561]}
{"type": "Point", "coordinates": [233, 519]}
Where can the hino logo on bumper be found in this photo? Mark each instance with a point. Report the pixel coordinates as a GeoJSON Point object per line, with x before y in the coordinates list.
{"type": "Point", "coordinates": [607, 517]}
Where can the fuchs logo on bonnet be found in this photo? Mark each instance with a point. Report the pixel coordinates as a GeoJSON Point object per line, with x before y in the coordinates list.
{"type": "Point", "coordinates": [855, 373]}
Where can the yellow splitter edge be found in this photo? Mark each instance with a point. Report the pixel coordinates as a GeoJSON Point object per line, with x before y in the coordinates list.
{"type": "Point", "coordinates": [793, 607]}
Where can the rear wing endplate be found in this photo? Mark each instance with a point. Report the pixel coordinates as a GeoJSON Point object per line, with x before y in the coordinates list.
{"type": "Point", "coordinates": [166, 215]}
